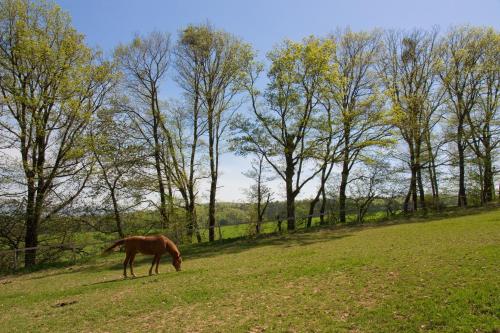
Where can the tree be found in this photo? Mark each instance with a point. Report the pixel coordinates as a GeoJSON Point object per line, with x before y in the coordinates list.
{"type": "Point", "coordinates": [483, 119]}
{"type": "Point", "coordinates": [144, 63]}
{"type": "Point", "coordinates": [326, 154]}
{"type": "Point", "coordinates": [369, 183]}
{"type": "Point", "coordinates": [282, 130]}
{"type": "Point", "coordinates": [460, 52]}
{"type": "Point", "coordinates": [408, 71]}
{"type": "Point", "coordinates": [363, 122]}
{"type": "Point", "coordinates": [259, 193]}
{"type": "Point", "coordinates": [12, 226]}
{"type": "Point", "coordinates": [119, 160]}
{"type": "Point", "coordinates": [187, 127]}
{"type": "Point", "coordinates": [211, 72]}
{"type": "Point", "coordinates": [51, 84]}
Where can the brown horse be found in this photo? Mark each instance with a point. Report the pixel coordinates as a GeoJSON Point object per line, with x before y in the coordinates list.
{"type": "Point", "coordinates": [152, 245]}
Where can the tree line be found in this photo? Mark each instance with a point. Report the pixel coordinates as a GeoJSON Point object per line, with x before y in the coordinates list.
{"type": "Point", "coordinates": [408, 114]}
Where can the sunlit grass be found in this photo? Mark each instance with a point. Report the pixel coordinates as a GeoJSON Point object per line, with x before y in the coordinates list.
{"type": "Point", "coordinates": [439, 276]}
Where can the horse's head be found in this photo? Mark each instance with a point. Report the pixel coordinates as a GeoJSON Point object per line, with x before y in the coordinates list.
{"type": "Point", "coordinates": [176, 262]}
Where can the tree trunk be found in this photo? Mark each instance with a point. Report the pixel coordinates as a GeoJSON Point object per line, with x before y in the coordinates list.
{"type": "Point", "coordinates": [406, 203]}
{"type": "Point", "coordinates": [31, 236]}
{"type": "Point", "coordinates": [290, 200]}
{"type": "Point", "coordinates": [488, 186]}
{"type": "Point", "coordinates": [345, 174]}
{"type": "Point", "coordinates": [412, 192]}
{"type": "Point", "coordinates": [211, 211]}
{"type": "Point", "coordinates": [290, 209]}
{"type": "Point", "coordinates": [213, 175]}
{"type": "Point", "coordinates": [413, 186]}
{"type": "Point", "coordinates": [170, 195]}
{"type": "Point", "coordinates": [462, 196]}
{"type": "Point", "coordinates": [311, 209]}
{"type": "Point", "coordinates": [323, 207]}
{"type": "Point", "coordinates": [118, 218]}
{"type": "Point", "coordinates": [161, 186]}
{"type": "Point", "coordinates": [35, 200]}
{"type": "Point", "coordinates": [258, 226]}
{"type": "Point", "coordinates": [432, 173]}
{"type": "Point", "coordinates": [259, 197]}
{"type": "Point", "coordinates": [318, 194]}
{"type": "Point", "coordinates": [192, 219]}
{"type": "Point", "coordinates": [290, 193]}
{"type": "Point", "coordinates": [342, 190]}
{"type": "Point", "coordinates": [420, 186]}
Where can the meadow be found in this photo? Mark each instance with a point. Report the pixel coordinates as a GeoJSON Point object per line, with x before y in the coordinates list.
{"type": "Point", "coordinates": [439, 275]}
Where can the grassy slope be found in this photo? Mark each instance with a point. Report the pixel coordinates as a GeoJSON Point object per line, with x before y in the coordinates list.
{"type": "Point", "coordinates": [435, 276]}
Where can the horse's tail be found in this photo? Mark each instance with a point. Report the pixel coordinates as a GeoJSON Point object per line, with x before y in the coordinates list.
{"type": "Point", "coordinates": [117, 243]}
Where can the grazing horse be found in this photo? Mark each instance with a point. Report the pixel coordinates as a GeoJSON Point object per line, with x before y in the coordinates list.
{"type": "Point", "coordinates": [152, 245]}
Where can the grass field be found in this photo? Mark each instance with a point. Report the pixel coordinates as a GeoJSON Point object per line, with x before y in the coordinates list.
{"type": "Point", "coordinates": [436, 276]}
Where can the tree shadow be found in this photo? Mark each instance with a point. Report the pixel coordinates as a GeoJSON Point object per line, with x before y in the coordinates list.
{"type": "Point", "coordinates": [301, 237]}
{"type": "Point", "coordinates": [62, 271]}
{"type": "Point", "coordinates": [418, 217]}
{"type": "Point", "coordinates": [316, 234]}
{"type": "Point", "coordinates": [238, 245]}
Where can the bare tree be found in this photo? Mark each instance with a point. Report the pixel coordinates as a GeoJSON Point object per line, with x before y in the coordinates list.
{"type": "Point", "coordinates": [357, 97]}
{"type": "Point", "coordinates": [327, 153]}
{"type": "Point", "coordinates": [483, 120]}
{"type": "Point", "coordinates": [368, 184]}
{"type": "Point", "coordinates": [259, 193]}
{"type": "Point", "coordinates": [459, 70]}
{"type": "Point", "coordinates": [210, 66]}
{"type": "Point", "coordinates": [187, 127]}
{"type": "Point", "coordinates": [407, 69]}
{"type": "Point", "coordinates": [144, 63]}
{"type": "Point", "coordinates": [120, 160]}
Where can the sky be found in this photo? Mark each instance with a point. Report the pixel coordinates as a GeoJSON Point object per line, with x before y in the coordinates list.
{"type": "Point", "coordinates": [265, 23]}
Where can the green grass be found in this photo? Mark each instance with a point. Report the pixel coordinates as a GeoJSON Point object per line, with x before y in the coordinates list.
{"type": "Point", "coordinates": [437, 276]}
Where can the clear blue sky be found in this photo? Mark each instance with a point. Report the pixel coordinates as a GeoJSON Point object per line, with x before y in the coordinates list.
{"type": "Point", "coordinates": [264, 23]}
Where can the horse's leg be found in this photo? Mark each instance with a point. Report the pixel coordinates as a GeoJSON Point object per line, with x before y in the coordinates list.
{"type": "Point", "coordinates": [125, 262]}
{"type": "Point", "coordinates": [131, 263]}
{"type": "Point", "coordinates": [158, 256]}
{"type": "Point", "coordinates": [152, 264]}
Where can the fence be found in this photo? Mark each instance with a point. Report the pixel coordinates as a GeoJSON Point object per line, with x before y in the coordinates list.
{"type": "Point", "coordinates": [11, 260]}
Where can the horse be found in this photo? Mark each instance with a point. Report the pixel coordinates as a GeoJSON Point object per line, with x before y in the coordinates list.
{"type": "Point", "coordinates": [152, 245]}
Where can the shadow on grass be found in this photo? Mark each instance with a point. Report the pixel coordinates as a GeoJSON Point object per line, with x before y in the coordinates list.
{"type": "Point", "coordinates": [316, 234]}
{"type": "Point", "coordinates": [420, 217]}
{"type": "Point", "coordinates": [237, 245]}
{"type": "Point", "coordinates": [301, 237]}
{"type": "Point", "coordinates": [119, 280]}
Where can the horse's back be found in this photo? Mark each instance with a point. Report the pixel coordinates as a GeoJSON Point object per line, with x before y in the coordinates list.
{"type": "Point", "coordinates": [145, 244]}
